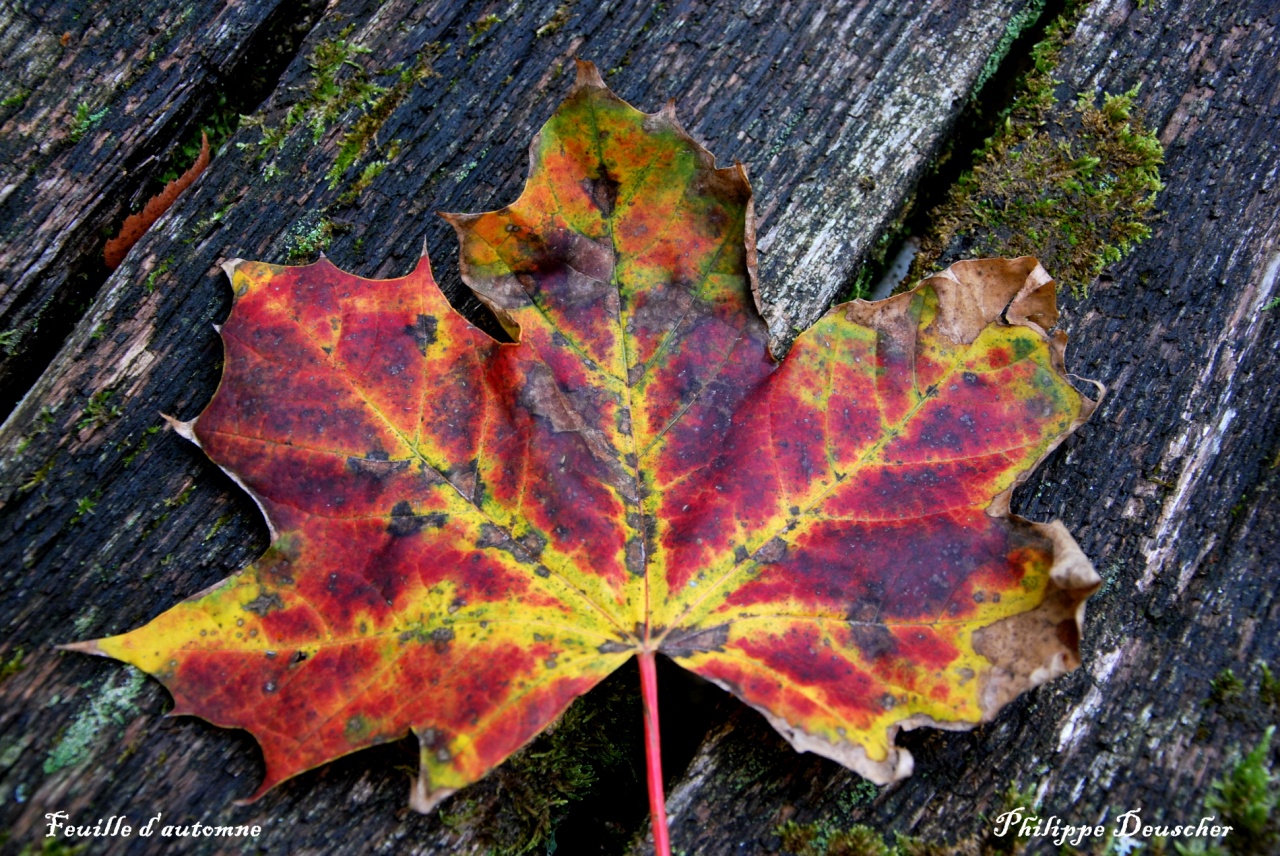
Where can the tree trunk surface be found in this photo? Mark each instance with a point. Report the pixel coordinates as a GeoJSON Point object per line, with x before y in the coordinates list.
{"type": "Point", "coordinates": [838, 109]}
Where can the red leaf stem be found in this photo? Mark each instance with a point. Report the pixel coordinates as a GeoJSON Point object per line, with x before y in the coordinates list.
{"type": "Point", "coordinates": [653, 754]}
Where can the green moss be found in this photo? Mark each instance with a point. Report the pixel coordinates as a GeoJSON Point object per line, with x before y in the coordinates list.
{"type": "Point", "coordinates": [217, 526]}
{"type": "Point", "coordinates": [1246, 799]}
{"type": "Point", "coordinates": [52, 847]}
{"type": "Point", "coordinates": [862, 794]}
{"type": "Point", "coordinates": [85, 621]}
{"type": "Point", "coordinates": [1268, 687]}
{"type": "Point", "coordinates": [99, 410]}
{"type": "Point", "coordinates": [480, 27]}
{"type": "Point", "coordinates": [337, 84]}
{"type": "Point", "coordinates": [877, 258]}
{"type": "Point", "coordinates": [1018, 24]}
{"type": "Point", "coordinates": [558, 19]}
{"type": "Point", "coordinates": [159, 271]}
{"type": "Point", "coordinates": [13, 664]}
{"type": "Point", "coordinates": [363, 132]}
{"type": "Point", "coordinates": [828, 838]}
{"type": "Point", "coordinates": [308, 237]}
{"type": "Point", "coordinates": [109, 709]}
{"type": "Point", "coordinates": [1225, 688]}
{"type": "Point", "coordinates": [37, 477]}
{"type": "Point", "coordinates": [9, 341]}
{"type": "Point", "coordinates": [371, 171]}
{"type": "Point", "coordinates": [466, 169]}
{"type": "Point", "coordinates": [221, 121]}
{"type": "Point", "coordinates": [85, 119]}
{"type": "Point", "coordinates": [816, 839]}
{"type": "Point", "coordinates": [1072, 184]}
{"type": "Point", "coordinates": [143, 445]}
{"type": "Point", "coordinates": [15, 99]}
{"type": "Point", "coordinates": [590, 750]}
{"type": "Point", "coordinates": [85, 506]}
{"type": "Point", "coordinates": [181, 499]}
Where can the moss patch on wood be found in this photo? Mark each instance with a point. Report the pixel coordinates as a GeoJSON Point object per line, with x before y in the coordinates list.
{"type": "Point", "coordinates": [339, 84]}
{"type": "Point", "coordinates": [827, 838]}
{"type": "Point", "coordinates": [12, 664]}
{"type": "Point", "coordinates": [1073, 184]}
{"type": "Point", "coordinates": [98, 410]}
{"type": "Point", "coordinates": [308, 238]}
{"type": "Point", "coordinates": [595, 747]}
{"type": "Point", "coordinates": [364, 131]}
{"type": "Point", "coordinates": [85, 119]}
{"type": "Point", "coordinates": [1247, 799]}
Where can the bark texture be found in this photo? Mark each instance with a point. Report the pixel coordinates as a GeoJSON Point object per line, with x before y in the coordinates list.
{"type": "Point", "coordinates": [107, 518]}
{"type": "Point", "coordinates": [94, 99]}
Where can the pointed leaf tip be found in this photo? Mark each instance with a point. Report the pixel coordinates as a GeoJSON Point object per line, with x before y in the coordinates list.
{"type": "Point", "coordinates": [185, 430]}
{"type": "Point", "coordinates": [230, 265]}
{"type": "Point", "coordinates": [588, 76]}
{"type": "Point", "coordinates": [87, 647]}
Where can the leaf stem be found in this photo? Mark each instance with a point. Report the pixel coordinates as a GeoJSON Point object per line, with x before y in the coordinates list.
{"type": "Point", "coordinates": [653, 754]}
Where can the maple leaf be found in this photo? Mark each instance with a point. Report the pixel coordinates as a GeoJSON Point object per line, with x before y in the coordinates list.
{"type": "Point", "coordinates": [467, 535]}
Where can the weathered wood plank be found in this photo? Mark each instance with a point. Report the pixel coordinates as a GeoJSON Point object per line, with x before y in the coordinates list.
{"type": "Point", "coordinates": [1171, 489]}
{"type": "Point", "coordinates": [93, 101]}
{"type": "Point", "coordinates": [108, 519]}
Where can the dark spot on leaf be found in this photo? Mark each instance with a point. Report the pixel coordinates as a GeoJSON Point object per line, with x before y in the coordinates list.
{"type": "Point", "coordinates": [874, 641]}
{"type": "Point", "coordinates": [683, 643]}
{"type": "Point", "coordinates": [356, 729]}
{"type": "Point", "coordinates": [635, 556]}
{"type": "Point", "coordinates": [423, 331]}
{"type": "Point", "coordinates": [603, 191]}
{"type": "Point", "coordinates": [376, 467]}
{"type": "Point", "coordinates": [264, 603]}
{"type": "Point", "coordinates": [772, 551]}
{"type": "Point", "coordinates": [404, 522]}
{"type": "Point", "coordinates": [440, 639]}
{"type": "Point", "coordinates": [534, 543]}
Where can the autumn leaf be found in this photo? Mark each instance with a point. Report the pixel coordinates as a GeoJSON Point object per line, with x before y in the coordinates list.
{"type": "Point", "coordinates": [467, 535]}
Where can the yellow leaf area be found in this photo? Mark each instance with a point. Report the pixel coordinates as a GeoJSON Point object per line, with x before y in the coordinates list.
{"type": "Point", "coordinates": [467, 535]}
